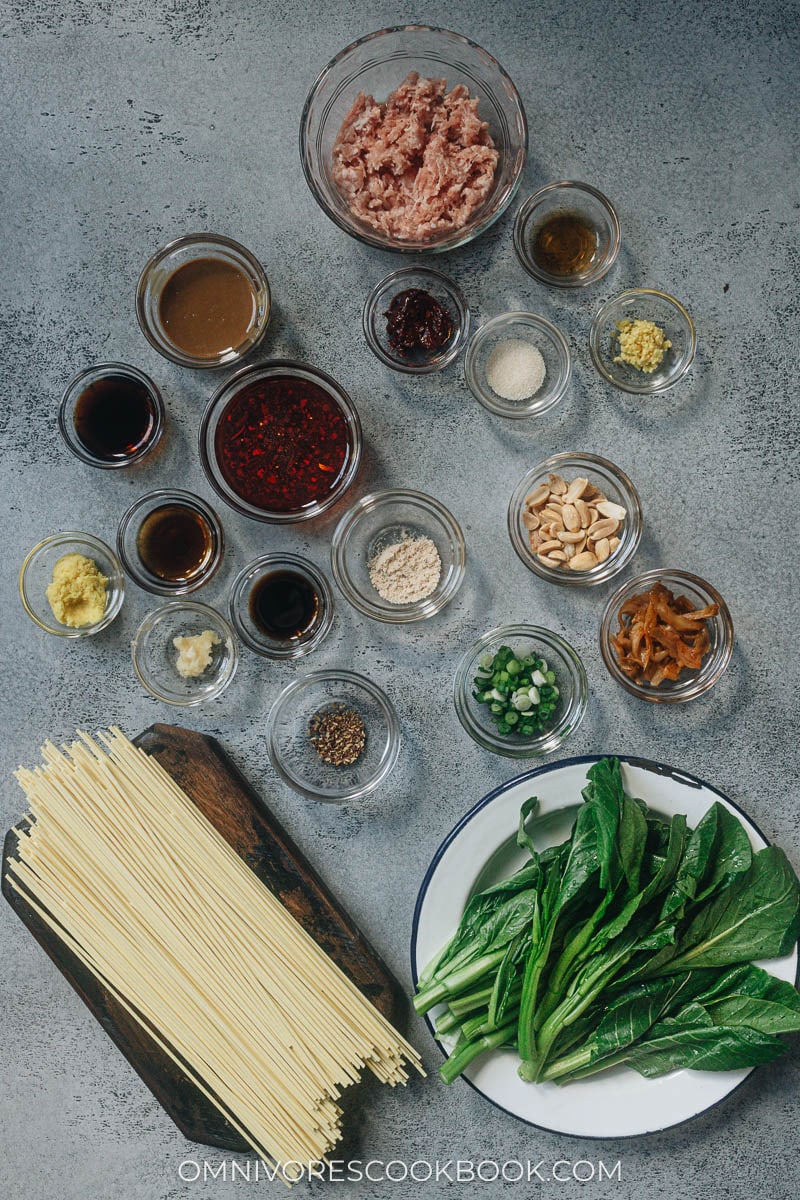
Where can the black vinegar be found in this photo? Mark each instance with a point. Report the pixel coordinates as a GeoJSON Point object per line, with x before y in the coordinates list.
{"type": "Point", "coordinates": [284, 605]}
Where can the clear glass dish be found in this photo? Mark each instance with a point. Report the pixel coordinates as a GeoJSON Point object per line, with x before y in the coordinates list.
{"type": "Point", "coordinates": [293, 755]}
{"type": "Point", "coordinates": [443, 290]}
{"type": "Point", "coordinates": [74, 391]}
{"type": "Point", "coordinates": [567, 196]}
{"type": "Point", "coordinates": [37, 572]}
{"type": "Point", "coordinates": [538, 332]}
{"type": "Point", "coordinates": [155, 656]}
{"type": "Point", "coordinates": [646, 304]}
{"type": "Point", "coordinates": [252, 634]}
{"type": "Point", "coordinates": [128, 535]}
{"type": "Point", "coordinates": [216, 408]}
{"type": "Point", "coordinates": [691, 683]}
{"type": "Point", "coordinates": [570, 681]}
{"type": "Point", "coordinates": [616, 487]}
{"type": "Point", "coordinates": [377, 64]}
{"type": "Point", "coordinates": [175, 254]}
{"type": "Point", "coordinates": [380, 519]}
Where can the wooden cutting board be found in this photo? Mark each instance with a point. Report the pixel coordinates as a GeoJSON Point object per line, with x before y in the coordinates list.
{"type": "Point", "coordinates": [202, 768]}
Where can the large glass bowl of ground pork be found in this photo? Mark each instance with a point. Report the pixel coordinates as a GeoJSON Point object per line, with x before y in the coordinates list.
{"type": "Point", "coordinates": [413, 139]}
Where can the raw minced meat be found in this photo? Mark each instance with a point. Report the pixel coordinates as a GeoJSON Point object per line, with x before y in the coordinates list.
{"type": "Point", "coordinates": [418, 164]}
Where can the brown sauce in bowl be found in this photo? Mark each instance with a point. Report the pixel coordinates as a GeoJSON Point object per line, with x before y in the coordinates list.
{"type": "Point", "coordinates": [207, 306]}
{"type": "Point", "coordinates": [175, 543]}
{"type": "Point", "coordinates": [115, 417]}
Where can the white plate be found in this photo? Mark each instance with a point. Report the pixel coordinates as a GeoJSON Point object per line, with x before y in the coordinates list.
{"type": "Point", "coordinates": [482, 849]}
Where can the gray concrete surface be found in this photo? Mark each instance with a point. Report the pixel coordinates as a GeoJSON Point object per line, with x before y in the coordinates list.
{"type": "Point", "coordinates": [124, 126]}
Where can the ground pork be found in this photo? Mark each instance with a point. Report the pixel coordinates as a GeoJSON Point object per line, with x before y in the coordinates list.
{"type": "Point", "coordinates": [418, 164]}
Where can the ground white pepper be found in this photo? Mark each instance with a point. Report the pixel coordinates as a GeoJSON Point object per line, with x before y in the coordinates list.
{"type": "Point", "coordinates": [338, 735]}
{"type": "Point", "coordinates": [406, 571]}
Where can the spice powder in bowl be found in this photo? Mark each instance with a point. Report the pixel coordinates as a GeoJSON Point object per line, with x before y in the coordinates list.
{"type": "Point", "coordinates": [406, 570]}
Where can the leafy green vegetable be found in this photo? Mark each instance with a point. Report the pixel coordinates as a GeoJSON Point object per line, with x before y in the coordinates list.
{"type": "Point", "coordinates": [631, 942]}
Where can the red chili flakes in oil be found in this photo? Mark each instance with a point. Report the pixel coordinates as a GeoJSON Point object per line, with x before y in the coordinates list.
{"type": "Point", "coordinates": [282, 443]}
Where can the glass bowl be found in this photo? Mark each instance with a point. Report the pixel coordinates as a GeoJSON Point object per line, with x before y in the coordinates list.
{"type": "Point", "coordinates": [80, 385]}
{"type": "Point", "coordinates": [615, 486]}
{"type": "Point", "coordinates": [215, 411]}
{"type": "Point", "coordinates": [525, 327]}
{"type": "Point", "coordinates": [178, 253]}
{"type": "Point", "coordinates": [720, 628]}
{"type": "Point", "coordinates": [645, 304]}
{"type": "Point", "coordinates": [569, 198]}
{"type": "Point", "coordinates": [258, 639]}
{"type": "Point", "coordinates": [570, 681]}
{"type": "Point", "coordinates": [377, 64]}
{"type": "Point", "coordinates": [435, 284]}
{"type": "Point", "coordinates": [154, 655]}
{"type": "Point", "coordinates": [128, 537]}
{"type": "Point", "coordinates": [379, 520]}
{"type": "Point", "coordinates": [293, 754]}
{"type": "Point", "coordinates": [37, 572]}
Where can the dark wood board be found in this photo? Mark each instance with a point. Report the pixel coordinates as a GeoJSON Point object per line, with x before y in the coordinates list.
{"type": "Point", "coordinates": [202, 768]}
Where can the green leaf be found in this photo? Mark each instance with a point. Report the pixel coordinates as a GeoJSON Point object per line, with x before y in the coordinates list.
{"type": "Point", "coordinates": [669, 1047]}
{"type": "Point", "coordinates": [524, 839]}
{"type": "Point", "coordinates": [756, 916]}
{"type": "Point", "coordinates": [718, 850]}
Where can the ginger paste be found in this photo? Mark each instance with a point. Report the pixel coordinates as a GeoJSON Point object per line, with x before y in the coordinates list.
{"type": "Point", "coordinates": [77, 593]}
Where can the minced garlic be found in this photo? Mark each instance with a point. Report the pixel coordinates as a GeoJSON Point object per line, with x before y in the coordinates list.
{"type": "Point", "coordinates": [77, 593]}
{"type": "Point", "coordinates": [194, 653]}
{"type": "Point", "coordinates": [642, 344]}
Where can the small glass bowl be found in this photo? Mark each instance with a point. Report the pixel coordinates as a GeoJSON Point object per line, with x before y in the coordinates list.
{"type": "Point", "coordinates": [175, 254]}
{"type": "Point", "coordinates": [570, 681]}
{"type": "Point", "coordinates": [37, 572]}
{"type": "Point", "coordinates": [255, 637]}
{"type": "Point", "coordinates": [73, 393]}
{"type": "Point", "coordinates": [293, 755]}
{"type": "Point", "coordinates": [525, 327]}
{"type": "Point", "coordinates": [443, 290]}
{"type": "Point", "coordinates": [377, 64]}
{"type": "Point", "coordinates": [154, 655]}
{"type": "Point", "coordinates": [215, 410]}
{"type": "Point", "coordinates": [720, 629]}
{"type": "Point", "coordinates": [128, 533]}
{"type": "Point", "coordinates": [649, 305]}
{"type": "Point", "coordinates": [567, 196]}
{"type": "Point", "coordinates": [378, 520]}
{"type": "Point", "coordinates": [612, 482]}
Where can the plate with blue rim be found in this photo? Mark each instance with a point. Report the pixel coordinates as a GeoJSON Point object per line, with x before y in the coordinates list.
{"type": "Point", "coordinates": [480, 850]}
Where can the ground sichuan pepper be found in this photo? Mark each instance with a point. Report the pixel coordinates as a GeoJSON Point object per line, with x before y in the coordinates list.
{"type": "Point", "coordinates": [338, 735]}
{"type": "Point", "coordinates": [417, 324]}
{"type": "Point", "coordinates": [282, 443]}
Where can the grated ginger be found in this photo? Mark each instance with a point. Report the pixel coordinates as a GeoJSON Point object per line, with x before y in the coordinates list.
{"type": "Point", "coordinates": [642, 344]}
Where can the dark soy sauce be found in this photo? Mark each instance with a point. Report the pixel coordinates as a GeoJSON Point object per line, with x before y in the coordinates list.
{"type": "Point", "coordinates": [284, 605]}
{"type": "Point", "coordinates": [114, 417]}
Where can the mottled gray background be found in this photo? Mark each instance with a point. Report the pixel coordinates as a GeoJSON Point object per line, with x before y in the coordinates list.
{"type": "Point", "coordinates": [124, 126]}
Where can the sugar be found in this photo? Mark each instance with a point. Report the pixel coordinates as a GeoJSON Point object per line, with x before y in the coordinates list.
{"type": "Point", "coordinates": [515, 370]}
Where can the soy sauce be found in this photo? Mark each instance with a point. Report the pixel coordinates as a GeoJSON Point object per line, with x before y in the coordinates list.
{"type": "Point", "coordinates": [284, 605]}
{"type": "Point", "coordinates": [175, 543]}
{"type": "Point", "coordinates": [115, 417]}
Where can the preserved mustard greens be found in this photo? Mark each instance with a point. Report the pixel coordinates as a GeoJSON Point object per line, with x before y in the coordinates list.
{"type": "Point", "coordinates": [630, 943]}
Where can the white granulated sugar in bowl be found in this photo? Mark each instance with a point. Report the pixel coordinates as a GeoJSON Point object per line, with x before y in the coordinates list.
{"type": "Point", "coordinates": [515, 369]}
